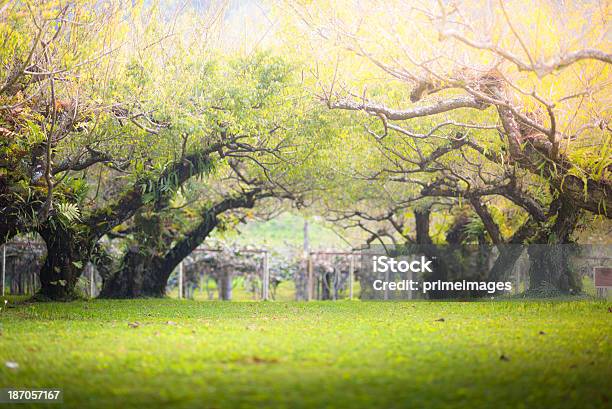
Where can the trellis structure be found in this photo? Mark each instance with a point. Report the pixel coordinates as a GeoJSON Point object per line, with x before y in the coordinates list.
{"type": "Point", "coordinates": [26, 281]}
{"type": "Point", "coordinates": [22, 280]}
{"type": "Point", "coordinates": [327, 274]}
{"type": "Point", "coordinates": [265, 291]}
{"type": "Point", "coordinates": [318, 284]}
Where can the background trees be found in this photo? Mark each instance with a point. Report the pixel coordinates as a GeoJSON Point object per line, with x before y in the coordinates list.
{"type": "Point", "coordinates": [414, 121]}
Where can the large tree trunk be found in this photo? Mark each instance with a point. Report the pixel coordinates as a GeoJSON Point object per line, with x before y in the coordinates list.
{"type": "Point", "coordinates": [423, 239]}
{"type": "Point", "coordinates": [550, 269]}
{"type": "Point", "coordinates": [139, 273]}
{"type": "Point", "coordinates": [511, 251]}
{"type": "Point", "coordinates": [145, 271]}
{"type": "Point", "coordinates": [505, 261]}
{"type": "Point", "coordinates": [69, 251]}
{"type": "Point", "coordinates": [139, 276]}
{"type": "Point", "coordinates": [67, 254]}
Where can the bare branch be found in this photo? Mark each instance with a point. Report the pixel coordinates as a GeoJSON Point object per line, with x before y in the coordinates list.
{"type": "Point", "coordinates": [400, 115]}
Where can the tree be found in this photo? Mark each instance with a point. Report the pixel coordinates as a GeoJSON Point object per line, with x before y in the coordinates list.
{"type": "Point", "coordinates": [52, 116]}
{"type": "Point", "coordinates": [478, 125]}
{"type": "Point", "coordinates": [126, 132]}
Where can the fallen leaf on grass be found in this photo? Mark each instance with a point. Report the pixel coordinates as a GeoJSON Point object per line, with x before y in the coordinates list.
{"type": "Point", "coordinates": [171, 323]}
{"type": "Point", "coordinates": [11, 365]}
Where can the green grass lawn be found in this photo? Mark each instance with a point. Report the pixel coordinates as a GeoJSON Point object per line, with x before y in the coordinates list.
{"type": "Point", "coordinates": [345, 354]}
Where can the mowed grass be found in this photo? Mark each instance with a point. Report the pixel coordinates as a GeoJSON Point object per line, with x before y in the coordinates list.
{"type": "Point", "coordinates": [189, 354]}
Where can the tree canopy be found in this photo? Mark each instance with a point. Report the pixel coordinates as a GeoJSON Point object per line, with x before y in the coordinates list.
{"type": "Point", "coordinates": [140, 124]}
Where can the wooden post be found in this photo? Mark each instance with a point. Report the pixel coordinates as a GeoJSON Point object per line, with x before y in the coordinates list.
{"type": "Point", "coordinates": [306, 256]}
{"type": "Point", "coordinates": [310, 277]}
{"type": "Point", "coordinates": [3, 269]}
{"type": "Point", "coordinates": [92, 281]}
{"type": "Point", "coordinates": [351, 275]}
{"type": "Point", "coordinates": [266, 277]}
{"type": "Point", "coordinates": [334, 290]}
{"type": "Point", "coordinates": [180, 281]}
